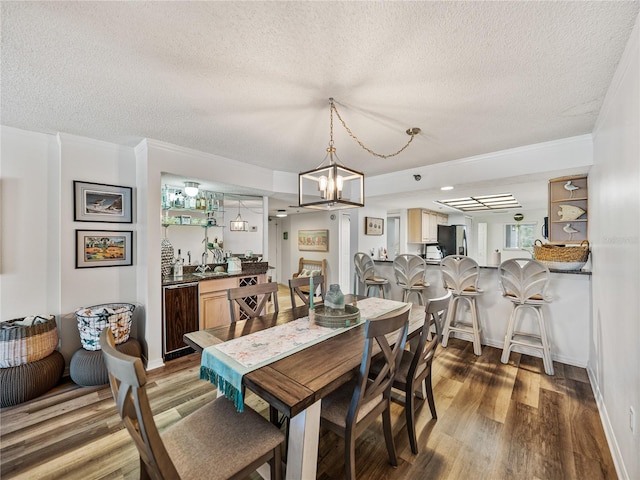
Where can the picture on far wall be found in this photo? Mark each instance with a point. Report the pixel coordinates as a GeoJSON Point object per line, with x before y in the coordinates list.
{"type": "Point", "coordinates": [313, 240]}
{"type": "Point", "coordinates": [103, 248]}
{"type": "Point", "coordinates": [96, 202]}
{"type": "Point", "coordinates": [373, 226]}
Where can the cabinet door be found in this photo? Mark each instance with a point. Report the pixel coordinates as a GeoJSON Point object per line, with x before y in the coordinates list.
{"type": "Point", "coordinates": [426, 226]}
{"type": "Point", "coordinates": [180, 315]}
{"type": "Point", "coordinates": [433, 227]}
{"type": "Point", "coordinates": [414, 225]}
{"type": "Point", "coordinates": [214, 304]}
{"type": "Point", "coordinates": [442, 220]}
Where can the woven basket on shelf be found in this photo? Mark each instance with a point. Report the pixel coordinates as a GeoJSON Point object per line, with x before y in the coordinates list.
{"type": "Point", "coordinates": [567, 258]}
{"type": "Point", "coordinates": [20, 343]}
{"type": "Point", "coordinates": [92, 320]}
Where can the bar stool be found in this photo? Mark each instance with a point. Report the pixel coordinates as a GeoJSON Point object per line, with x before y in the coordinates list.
{"type": "Point", "coordinates": [410, 271]}
{"type": "Point", "coordinates": [523, 282]}
{"type": "Point", "coordinates": [460, 276]}
{"type": "Point", "coordinates": [365, 272]}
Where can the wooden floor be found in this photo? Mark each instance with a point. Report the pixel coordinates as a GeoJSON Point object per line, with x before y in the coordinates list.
{"type": "Point", "coordinates": [494, 421]}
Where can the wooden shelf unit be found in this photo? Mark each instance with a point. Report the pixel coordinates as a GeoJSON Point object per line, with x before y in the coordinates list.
{"type": "Point", "coordinates": [559, 196]}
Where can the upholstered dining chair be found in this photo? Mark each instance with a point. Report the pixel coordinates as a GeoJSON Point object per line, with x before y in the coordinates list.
{"type": "Point", "coordinates": [348, 410]}
{"type": "Point", "coordinates": [414, 367]}
{"type": "Point", "coordinates": [252, 299]}
{"type": "Point", "coordinates": [297, 288]}
{"type": "Point", "coordinates": [214, 442]}
{"type": "Point", "coordinates": [365, 272]}
{"type": "Point", "coordinates": [410, 271]}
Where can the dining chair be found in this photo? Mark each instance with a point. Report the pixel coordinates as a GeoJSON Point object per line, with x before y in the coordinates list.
{"type": "Point", "coordinates": [523, 282]}
{"type": "Point", "coordinates": [348, 410]}
{"type": "Point", "coordinates": [252, 299]}
{"type": "Point", "coordinates": [460, 276]}
{"type": "Point", "coordinates": [410, 271]}
{"type": "Point", "coordinates": [365, 272]}
{"type": "Point", "coordinates": [414, 367]}
{"type": "Point", "coordinates": [299, 287]}
{"type": "Point", "coordinates": [214, 442]}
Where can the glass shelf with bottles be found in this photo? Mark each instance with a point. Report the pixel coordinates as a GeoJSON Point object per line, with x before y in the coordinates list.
{"type": "Point", "coordinates": [174, 198]}
{"type": "Point", "coordinates": [208, 220]}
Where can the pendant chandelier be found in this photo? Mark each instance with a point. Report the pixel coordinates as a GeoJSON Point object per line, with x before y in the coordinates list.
{"type": "Point", "coordinates": [334, 186]}
{"type": "Point", "coordinates": [239, 225]}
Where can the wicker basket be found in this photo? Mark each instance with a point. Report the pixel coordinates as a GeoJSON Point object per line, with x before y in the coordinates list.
{"type": "Point", "coordinates": [20, 343]}
{"type": "Point", "coordinates": [567, 258]}
{"type": "Point", "coordinates": [92, 320]}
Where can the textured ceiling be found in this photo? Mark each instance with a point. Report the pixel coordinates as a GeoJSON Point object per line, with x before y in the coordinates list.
{"type": "Point", "coordinates": [251, 80]}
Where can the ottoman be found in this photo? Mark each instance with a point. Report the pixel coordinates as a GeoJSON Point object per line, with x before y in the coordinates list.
{"type": "Point", "coordinates": [87, 367]}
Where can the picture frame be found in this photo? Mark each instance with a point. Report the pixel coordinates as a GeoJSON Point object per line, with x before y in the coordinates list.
{"type": "Point", "coordinates": [98, 202]}
{"type": "Point", "coordinates": [373, 226]}
{"type": "Point", "coordinates": [104, 248]}
{"type": "Point", "coordinates": [313, 240]}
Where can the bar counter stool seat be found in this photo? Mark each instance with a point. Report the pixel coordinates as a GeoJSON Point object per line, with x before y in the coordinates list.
{"type": "Point", "coordinates": [460, 276]}
{"type": "Point", "coordinates": [523, 282]}
{"type": "Point", "coordinates": [366, 273]}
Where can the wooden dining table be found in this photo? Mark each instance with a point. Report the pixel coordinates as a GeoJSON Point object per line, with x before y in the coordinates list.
{"type": "Point", "coordinates": [296, 384]}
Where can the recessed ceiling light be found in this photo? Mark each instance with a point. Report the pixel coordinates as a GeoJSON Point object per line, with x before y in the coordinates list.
{"type": "Point", "coordinates": [448, 187]}
{"type": "Point", "coordinates": [281, 213]}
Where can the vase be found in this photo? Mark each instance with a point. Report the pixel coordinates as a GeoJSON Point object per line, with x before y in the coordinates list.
{"type": "Point", "coordinates": [334, 299]}
{"type": "Point", "coordinates": [166, 254]}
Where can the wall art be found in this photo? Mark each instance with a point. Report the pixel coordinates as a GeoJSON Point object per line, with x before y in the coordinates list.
{"type": "Point", "coordinates": [96, 202]}
{"type": "Point", "coordinates": [103, 248]}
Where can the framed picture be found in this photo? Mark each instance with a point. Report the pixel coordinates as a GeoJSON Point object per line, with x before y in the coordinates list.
{"type": "Point", "coordinates": [103, 248]}
{"type": "Point", "coordinates": [96, 202]}
{"type": "Point", "coordinates": [373, 226]}
{"type": "Point", "coordinates": [313, 240]}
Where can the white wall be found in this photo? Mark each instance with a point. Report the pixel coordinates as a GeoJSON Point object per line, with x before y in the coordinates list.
{"type": "Point", "coordinates": [614, 203]}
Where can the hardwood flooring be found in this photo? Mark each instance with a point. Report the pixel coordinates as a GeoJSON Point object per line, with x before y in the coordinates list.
{"type": "Point", "coordinates": [494, 421]}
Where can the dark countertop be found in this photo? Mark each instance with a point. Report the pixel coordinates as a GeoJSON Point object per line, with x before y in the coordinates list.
{"type": "Point", "coordinates": [189, 276]}
{"type": "Point", "coordinates": [495, 267]}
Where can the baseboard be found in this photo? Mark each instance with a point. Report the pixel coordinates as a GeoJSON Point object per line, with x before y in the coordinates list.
{"type": "Point", "coordinates": [608, 429]}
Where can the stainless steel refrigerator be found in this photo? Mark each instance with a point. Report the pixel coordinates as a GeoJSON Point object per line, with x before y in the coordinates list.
{"type": "Point", "coordinates": [452, 239]}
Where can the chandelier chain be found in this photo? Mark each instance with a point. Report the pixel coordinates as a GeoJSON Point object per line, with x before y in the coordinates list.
{"type": "Point", "coordinates": [380, 155]}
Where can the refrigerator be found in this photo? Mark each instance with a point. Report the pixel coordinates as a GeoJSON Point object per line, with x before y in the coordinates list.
{"type": "Point", "coordinates": [452, 239]}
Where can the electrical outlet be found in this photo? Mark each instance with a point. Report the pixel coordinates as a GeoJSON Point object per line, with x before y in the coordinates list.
{"type": "Point", "coordinates": [632, 420]}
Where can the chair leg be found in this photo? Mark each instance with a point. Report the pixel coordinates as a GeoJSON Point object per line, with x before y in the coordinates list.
{"type": "Point", "coordinates": [350, 453]}
{"type": "Point", "coordinates": [432, 403]}
{"type": "Point", "coordinates": [453, 306]}
{"type": "Point", "coordinates": [388, 434]}
{"type": "Point", "coordinates": [275, 465]}
{"type": "Point", "coordinates": [409, 412]}
{"type": "Point", "coordinates": [477, 344]}
{"type": "Point", "coordinates": [144, 474]}
{"type": "Point", "coordinates": [506, 349]}
{"type": "Point", "coordinates": [546, 350]}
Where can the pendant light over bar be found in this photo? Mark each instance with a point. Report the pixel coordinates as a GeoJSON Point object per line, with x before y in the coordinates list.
{"type": "Point", "coordinates": [335, 186]}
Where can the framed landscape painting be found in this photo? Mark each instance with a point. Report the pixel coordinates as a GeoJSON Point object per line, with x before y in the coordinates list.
{"type": "Point", "coordinates": [103, 248]}
{"type": "Point", "coordinates": [96, 202]}
{"type": "Point", "coordinates": [313, 240]}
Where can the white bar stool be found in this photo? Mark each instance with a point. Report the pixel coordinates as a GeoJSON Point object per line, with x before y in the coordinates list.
{"type": "Point", "coordinates": [366, 273]}
{"type": "Point", "coordinates": [523, 282]}
{"type": "Point", "coordinates": [460, 276]}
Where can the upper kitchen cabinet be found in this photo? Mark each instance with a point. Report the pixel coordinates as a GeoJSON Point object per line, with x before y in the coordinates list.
{"type": "Point", "coordinates": [422, 225]}
{"type": "Point", "coordinates": [568, 209]}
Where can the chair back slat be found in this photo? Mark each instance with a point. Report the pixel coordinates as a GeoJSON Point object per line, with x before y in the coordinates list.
{"type": "Point", "coordinates": [524, 280]}
{"type": "Point", "coordinates": [297, 288]}
{"type": "Point", "coordinates": [460, 273]}
{"type": "Point", "coordinates": [258, 294]}
{"type": "Point", "coordinates": [379, 331]}
{"type": "Point", "coordinates": [364, 266]}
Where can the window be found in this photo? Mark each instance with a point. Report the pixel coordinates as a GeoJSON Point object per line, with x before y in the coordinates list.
{"type": "Point", "coordinates": [519, 235]}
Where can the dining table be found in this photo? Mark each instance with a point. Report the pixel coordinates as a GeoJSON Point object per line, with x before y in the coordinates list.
{"type": "Point", "coordinates": [295, 384]}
